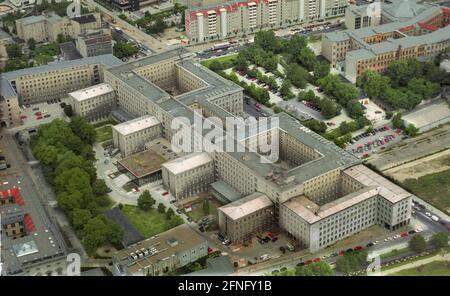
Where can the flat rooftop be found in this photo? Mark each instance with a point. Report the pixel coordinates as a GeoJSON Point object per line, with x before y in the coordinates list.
{"type": "Point", "coordinates": [164, 245]}
{"type": "Point", "coordinates": [135, 125]}
{"type": "Point", "coordinates": [247, 205]}
{"type": "Point", "coordinates": [393, 193]}
{"type": "Point", "coordinates": [312, 212]}
{"type": "Point", "coordinates": [92, 92]}
{"type": "Point", "coordinates": [187, 162]}
{"type": "Point", "coordinates": [149, 161]}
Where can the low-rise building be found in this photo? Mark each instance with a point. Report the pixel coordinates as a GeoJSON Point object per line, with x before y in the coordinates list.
{"type": "Point", "coordinates": [47, 27]}
{"type": "Point", "coordinates": [162, 253]}
{"type": "Point", "coordinates": [188, 175]}
{"type": "Point", "coordinates": [131, 136]}
{"type": "Point", "coordinates": [247, 216]}
{"type": "Point", "coordinates": [94, 103]}
{"type": "Point", "coordinates": [95, 42]}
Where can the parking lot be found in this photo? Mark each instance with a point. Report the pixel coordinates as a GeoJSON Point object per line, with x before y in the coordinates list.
{"type": "Point", "coordinates": [37, 114]}
{"type": "Point", "coordinates": [364, 144]}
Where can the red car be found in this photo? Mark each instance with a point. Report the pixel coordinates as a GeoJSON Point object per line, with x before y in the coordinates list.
{"type": "Point", "coordinates": [316, 259]}
{"type": "Point", "coordinates": [209, 250]}
{"type": "Point", "coordinates": [341, 253]}
{"type": "Point", "coordinates": [23, 117]}
{"type": "Point", "coordinates": [39, 117]}
{"type": "Point", "coordinates": [366, 155]}
{"type": "Point", "coordinates": [39, 113]}
{"type": "Point", "coordinates": [270, 234]}
{"type": "Point", "coordinates": [165, 193]}
{"type": "Point", "coordinates": [404, 234]}
{"type": "Point", "coordinates": [308, 262]}
{"type": "Point", "coordinates": [358, 248]}
{"type": "Point", "coordinates": [386, 140]}
{"type": "Point", "coordinates": [387, 127]}
{"type": "Point", "coordinates": [398, 131]}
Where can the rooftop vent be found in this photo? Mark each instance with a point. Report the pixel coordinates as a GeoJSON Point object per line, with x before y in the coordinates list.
{"type": "Point", "coordinates": [172, 242]}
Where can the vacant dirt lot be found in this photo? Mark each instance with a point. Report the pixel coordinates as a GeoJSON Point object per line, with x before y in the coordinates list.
{"type": "Point", "coordinates": [431, 164]}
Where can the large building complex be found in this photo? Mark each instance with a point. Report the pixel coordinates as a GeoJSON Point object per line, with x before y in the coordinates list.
{"type": "Point", "coordinates": [235, 18]}
{"type": "Point", "coordinates": [402, 29]}
{"type": "Point", "coordinates": [303, 183]}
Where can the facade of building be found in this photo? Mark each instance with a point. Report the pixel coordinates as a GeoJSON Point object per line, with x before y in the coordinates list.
{"type": "Point", "coordinates": [94, 103]}
{"type": "Point", "coordinates": [5, 39]}
{"type": "Point", "coordinates": [404, 30]}
{"type": "Point", "coordinates": [222, 20]}
{"type": "Point", "coordinates": [131, 136]}
{"type": "Point", "coordinates": [39, 84]}
{"type": "Point", "coordinates": [47, 27]}
{"type": "Point", "coordinates": [163, 253]}
{"type": "Point", "coordinates": [246, 216]}
{"type": "Point", "coordinates": [188, 175]}
{"type": "Point", "coordinates": [94, 43]}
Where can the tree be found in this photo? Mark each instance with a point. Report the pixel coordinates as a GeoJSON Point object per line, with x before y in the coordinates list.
{"type": "Point", "coordinates": [216, 66]}
{"type": "Point", "coordinates": [174, 221]}
{"type": "Point", "coordinates": [373, 84]}
{"type": "Point", "coordinates": [316, 126]}
{"type": "Point", "coordinates": [99, 187]}
{"type": "Point", "coordinates": [241, 63]}
{"type": "Point", "coordinates": [352, 262]}
{"type": "Point", "coordinates": [321, 70]}
{"type": "Point", "coordinates": [307, 58]}
{"type": "Point", "coordinates": [94, 233]}
{"type": "Point", "coordinates": [169, 213]}
{"type": "Point", "coordinates": [266, 40]}
{"type": "Point", "coordinates": [320, 268]}
{"type": "Point", "coordinates": [68, 110]}
{"type": "Point", "coordinates": [206, 208]}
{"type": "Point", "coordinates": [285, 89]}
{"type": "Point", "coordinates": [412, 130]}
{"type": "Point", "coordinates": [418, 243]}
{"type": "Point", "coordinates": [123, 50]}
{"type": "Point", "coordinates": [83, 129]}
{"type": "Point", "coordinates": [145, 201]}
{"type": "Point", "coordinates": [14, 50]}
{"type": "Point", "coordinates": [440, 240]}
{"type": "Point", "coordinates": [161, 208]}
{"type": "Point", "coordinates": [328, 108]}
{"type": "Point", "coordinates": [397, 120]}
{"type": "Point", "coordinates": [307, 96]}
{"type": "Point", "coordinates": [80, 217]}
{"type": "Point", "coordinates": [31, 44]}
{"type": "Point", "coordinates": [277, 109]}
{"type": "Point", "coordinates": [298, 75]}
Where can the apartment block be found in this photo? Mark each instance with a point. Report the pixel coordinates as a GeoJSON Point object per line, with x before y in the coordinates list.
{"type": "Point", "coordinates": [403, 30]}
{"type": "Point", "coordinates": [94, 103]}
{"type": "Point", "coordinates": [188, 175]}
{"type": "Point", "coordinates": [131, 136]}
{"type": "Point", "coordinates": [222, 20]}
{"type": "Point", "coordinates": [246, 216]}
{"type": "Point", "coordinates": [94, 43]}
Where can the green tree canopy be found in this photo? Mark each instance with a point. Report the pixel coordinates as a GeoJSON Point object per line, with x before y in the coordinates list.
{"type": "Point", "coordinates": [418, 243]}
{"type": "Point", "coordinates": [145, 201]}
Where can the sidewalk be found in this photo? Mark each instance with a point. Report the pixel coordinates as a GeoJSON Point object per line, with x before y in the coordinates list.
{"type": "Point", "coordinates": [417, 263]}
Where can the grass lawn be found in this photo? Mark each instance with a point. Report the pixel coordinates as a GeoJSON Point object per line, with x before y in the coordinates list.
{"type": "Point", "coordinates": [104, 133]}
{"type": "Point", "coordinates": [435, 268]}
{"type": "Point", "coordinates": [395, 252]}
{"type": "Point", "coordinates": [433, 188]}
{"type": "Point", "coordinates": [147, 223]}
{"type": "Point", "coordinates": [197, 209]}
{"type": "Point", "coordinates": [226, 58]}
